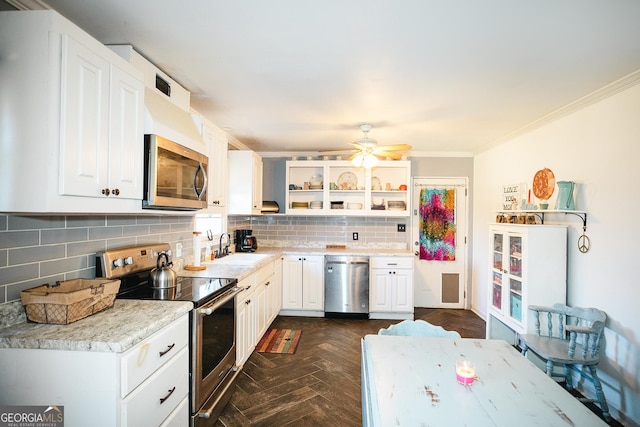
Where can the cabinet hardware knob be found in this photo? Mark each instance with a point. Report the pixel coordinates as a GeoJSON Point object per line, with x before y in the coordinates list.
{"type": "Point", "coordinates": [162, 399]}
{"type": "Point", "coordinates": [169, 347]}
{"type": "Point", "coordinates": [248, 302]}
{"type": "Point", "coordinates": [116, 191]}
{"type": "Point", "coordinates": [106, 192]}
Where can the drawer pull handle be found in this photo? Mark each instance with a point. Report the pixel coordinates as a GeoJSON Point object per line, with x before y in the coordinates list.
{"type": "Point", "coordinates": [162, 353]}
{"type": "Point", "coordinates": [162, 399]}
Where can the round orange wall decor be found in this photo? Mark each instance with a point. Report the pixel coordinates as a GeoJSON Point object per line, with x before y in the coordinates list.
{"type": "Point", "coordinates": [544, 182]}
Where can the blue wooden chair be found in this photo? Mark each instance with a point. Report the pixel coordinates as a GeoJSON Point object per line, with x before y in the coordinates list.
{"type": "Point", "coordinates": [572, 340]}
{"type": "Point", "coordinates": [418, 328]}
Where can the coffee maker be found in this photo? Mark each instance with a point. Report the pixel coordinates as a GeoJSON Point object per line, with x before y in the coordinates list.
{"type": "Point", "coordinates": [245, 242]}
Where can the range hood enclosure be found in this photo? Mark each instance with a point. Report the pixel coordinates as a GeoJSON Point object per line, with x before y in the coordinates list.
{"type": "Point", "coordinates": [167, 120]}
{"type": "Point", "coordinates": [167, 115]}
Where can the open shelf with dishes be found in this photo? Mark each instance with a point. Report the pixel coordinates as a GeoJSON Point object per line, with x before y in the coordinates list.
{"type": "Point", "coordinates": [336, 187]}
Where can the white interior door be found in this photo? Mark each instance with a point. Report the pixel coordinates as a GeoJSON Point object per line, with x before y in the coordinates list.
{"type": "Point", "coordinates": [440, 239]}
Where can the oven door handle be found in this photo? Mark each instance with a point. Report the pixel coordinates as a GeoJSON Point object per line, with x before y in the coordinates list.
{"type": "Point", "coordinates": [219, 302]}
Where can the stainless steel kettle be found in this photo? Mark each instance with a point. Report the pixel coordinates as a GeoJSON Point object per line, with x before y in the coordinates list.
{"type": "Point", "coordinates": [163, 275]}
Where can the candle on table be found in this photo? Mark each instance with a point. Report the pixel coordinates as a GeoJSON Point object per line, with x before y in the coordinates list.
{"type": "Point", "coordinates": [465, 372]}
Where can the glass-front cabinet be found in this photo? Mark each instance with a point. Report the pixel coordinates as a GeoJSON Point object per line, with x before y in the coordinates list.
{"type": "Point", "coordinates": [528, 267]}
{"type": "Point", "coordinates": [336, 187]}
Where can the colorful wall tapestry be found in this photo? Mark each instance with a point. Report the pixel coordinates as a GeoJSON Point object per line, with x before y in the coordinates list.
{"type": "Point", "coordinates": [437, 224]}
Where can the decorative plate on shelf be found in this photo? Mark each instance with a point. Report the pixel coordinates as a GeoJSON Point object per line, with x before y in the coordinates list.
{"type": "Point", "coordinates": [348, 178]}
{"type": "Point", "coordinates": [375, 183]}
{"type": "Point", "coordinates": [544, 182]}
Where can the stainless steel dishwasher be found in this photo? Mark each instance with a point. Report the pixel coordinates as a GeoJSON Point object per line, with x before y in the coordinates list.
{"type": "Point", "coordinates": [346, 285]}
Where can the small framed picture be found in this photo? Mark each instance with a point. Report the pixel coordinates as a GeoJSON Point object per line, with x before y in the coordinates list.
{"type": "Point", "coordinates": [512, 196]}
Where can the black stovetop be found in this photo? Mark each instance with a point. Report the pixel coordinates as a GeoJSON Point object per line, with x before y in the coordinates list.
{"type": "Point", "coordinates": [133, 266]}
{"type": "Point", "coordinates": [198, 290]}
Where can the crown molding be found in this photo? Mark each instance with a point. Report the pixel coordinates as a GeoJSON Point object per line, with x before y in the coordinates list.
{"type": "Point", "coordinates": [607, 91]}
{"type": "Point", "coordinates": [28, 4]}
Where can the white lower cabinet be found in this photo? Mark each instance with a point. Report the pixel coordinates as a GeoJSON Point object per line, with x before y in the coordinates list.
{"type": "Point", "coordinates": [146, 385]}
{"type": "Point", "coordinates": [303, 285]}
{"type": "Point", "coordinates": [245, 320]}
{"type": "Point", "coordinates": [391, 288]}
{"type": "Point", "coordinates": [255, 309]}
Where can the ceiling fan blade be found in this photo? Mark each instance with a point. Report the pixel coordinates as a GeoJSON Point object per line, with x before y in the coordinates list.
{"type": "Point", "coordinates": [391, 155]}
{"type": "Point", "coordinates": [396, 147]}
{"type": "Point", "coordinates": [338, 151]}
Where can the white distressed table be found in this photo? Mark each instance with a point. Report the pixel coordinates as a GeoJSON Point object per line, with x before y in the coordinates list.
{"type": "Point", "coordinates": [411, 381]}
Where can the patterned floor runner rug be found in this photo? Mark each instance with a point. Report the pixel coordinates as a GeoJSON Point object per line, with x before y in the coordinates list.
{"type": "Point", "coordinates": [284, 341]}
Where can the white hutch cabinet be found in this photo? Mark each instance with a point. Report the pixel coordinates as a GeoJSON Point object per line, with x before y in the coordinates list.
{"type": "Point", "coordinates": [528, 267]}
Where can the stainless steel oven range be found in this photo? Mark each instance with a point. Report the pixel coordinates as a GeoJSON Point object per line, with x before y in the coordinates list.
{"type": "Point", "coordinates": [212, 346]}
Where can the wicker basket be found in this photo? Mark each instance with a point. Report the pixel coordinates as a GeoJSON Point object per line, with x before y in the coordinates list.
{"type": "Point", "coordinates": [69, 301]}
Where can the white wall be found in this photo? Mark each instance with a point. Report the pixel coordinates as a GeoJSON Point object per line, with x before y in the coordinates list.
{"type": "Point", "coordinates": [598, 147]}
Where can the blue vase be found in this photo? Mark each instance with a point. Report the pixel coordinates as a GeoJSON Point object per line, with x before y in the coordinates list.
{"type": "Point", "coordinates": [565, 196]}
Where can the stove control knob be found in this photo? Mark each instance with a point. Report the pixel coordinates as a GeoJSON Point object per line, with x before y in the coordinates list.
{"type": "Point", "coordinates": [118, 262]}
{"type": "Point", "coordinates": [128, 260]}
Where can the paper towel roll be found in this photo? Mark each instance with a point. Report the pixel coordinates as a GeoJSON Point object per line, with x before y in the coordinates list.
{"type": "Point", "coordinates": [196, 248]}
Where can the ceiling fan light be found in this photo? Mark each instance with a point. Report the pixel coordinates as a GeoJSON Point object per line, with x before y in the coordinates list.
{"type": "Point", "coordinates": [357, 160]}
{"type": "Point", "coordinates": [369, 161]}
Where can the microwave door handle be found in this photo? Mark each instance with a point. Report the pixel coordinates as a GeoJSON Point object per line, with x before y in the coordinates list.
{"type": "Point", "coordinates": [195, 180]}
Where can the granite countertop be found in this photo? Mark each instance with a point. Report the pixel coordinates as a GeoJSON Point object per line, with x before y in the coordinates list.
{"type": "Point", "coordinates": [114, 330]}
{"type": "Point", "coordinates": [130, 321]}
{"type": "Point", "coordinates": [224, 269]}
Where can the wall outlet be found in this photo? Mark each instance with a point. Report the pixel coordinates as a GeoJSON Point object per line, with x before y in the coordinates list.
{"type": "Point", "coordinates": [402, 228]}
{"type": "Point", "coordinates": [355, 236]}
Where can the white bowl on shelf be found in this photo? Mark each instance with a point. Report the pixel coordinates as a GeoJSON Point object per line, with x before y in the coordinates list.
{"type": "Point", "coordinates": [354, 206]}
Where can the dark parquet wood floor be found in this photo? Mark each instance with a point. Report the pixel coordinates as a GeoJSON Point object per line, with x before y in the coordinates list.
{"type": "Point", "coordinates": [319, 385]}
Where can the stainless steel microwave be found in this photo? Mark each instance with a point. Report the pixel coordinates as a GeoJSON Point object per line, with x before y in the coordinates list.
{"type": "Point", "coordinates": [175, 176]}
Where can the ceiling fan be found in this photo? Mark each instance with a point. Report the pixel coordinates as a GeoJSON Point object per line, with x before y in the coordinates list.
{"type": "Point", "coordinates": [367, 152]}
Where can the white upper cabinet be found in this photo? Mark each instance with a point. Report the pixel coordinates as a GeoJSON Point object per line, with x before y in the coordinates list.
{"type": "Point", "coordinates": [74, 142]}
{"type": "Point", "coordinates": [335, 187]}
{"type": "Point", "coordinates": [216, 141]}
{"type": "Point", "coordinates": [245, 183]}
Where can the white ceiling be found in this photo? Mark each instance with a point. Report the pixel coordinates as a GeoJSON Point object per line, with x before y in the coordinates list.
{"type": "Point", "coordinates": [446, 76]}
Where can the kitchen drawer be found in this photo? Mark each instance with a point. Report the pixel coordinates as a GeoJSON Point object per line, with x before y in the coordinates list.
{"type": "Point", "coordinates": [392, 262]}
{"type": "Point", "coordinates": [147, 356]}
{"type": "Point", "coordinates": [143, 407]}
{"type": "Point", "coordinates": [179, 417]}
{"type": "Point", "coordinates": [264, 273]}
